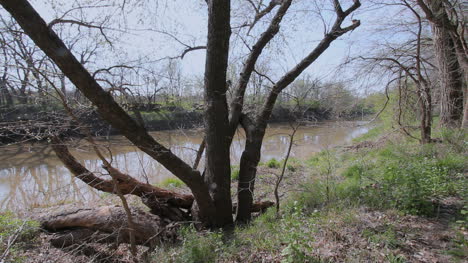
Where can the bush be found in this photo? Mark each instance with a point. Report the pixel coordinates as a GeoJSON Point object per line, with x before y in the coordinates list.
{"type": "Point", "coordinates": [291, 167]}
{"type": "Point", "coordinates": [235, 174]}
{"type": "Point", "coordinates": [273, 163]}
{"type": "Point", "coordinates": [412, 179]}
{"type": "Point", "coordinates": [172, 182]}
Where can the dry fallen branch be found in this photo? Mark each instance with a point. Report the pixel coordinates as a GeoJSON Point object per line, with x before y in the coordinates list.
{"type": "Point", "coordinates": [105, 225]}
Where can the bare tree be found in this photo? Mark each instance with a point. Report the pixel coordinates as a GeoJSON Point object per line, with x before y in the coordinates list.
{"type": "Point", "coordinates": [212, 189]}
{"type": "Point", "coordinates": [408, 64]}
{"type": "Point", "coordinates": [451, 53]}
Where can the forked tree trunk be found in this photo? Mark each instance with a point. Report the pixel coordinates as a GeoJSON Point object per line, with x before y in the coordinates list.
{"type": "Point", "coordinates": [258, 124]}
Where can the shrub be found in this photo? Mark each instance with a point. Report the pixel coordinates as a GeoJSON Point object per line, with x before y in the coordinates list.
{"type": "Point", "coordinates": [273, 163]}
{"type": "Point", "coordinates": [412, 179]}
{"type": "Point", "coordinates": [235, 174]}
{"type": "Point", "coordinates": [409, 177]}
{"type": "Point", "coordinates": [172, 182]}
{"type": "Point", "coordinates": [293, 164]}
{"type": "Point", "coordinates": [291, 167]}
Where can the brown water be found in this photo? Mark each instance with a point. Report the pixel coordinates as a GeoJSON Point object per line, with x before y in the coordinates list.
{"type": "Point", "coordinates": [32, 176]}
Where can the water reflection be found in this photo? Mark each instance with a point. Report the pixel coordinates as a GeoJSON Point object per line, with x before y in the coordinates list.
{"type": "Point", "coordinates": [31, 175]}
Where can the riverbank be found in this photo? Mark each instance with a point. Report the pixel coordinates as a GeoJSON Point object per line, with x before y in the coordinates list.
{"type": "Point", "coordinates": [382, 199]}
{"type": "Point", "coordinates": [31, 175]}
{"type": "Point", "coordinates": [30, 123]}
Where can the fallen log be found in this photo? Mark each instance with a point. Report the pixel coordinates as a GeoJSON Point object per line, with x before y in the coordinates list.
{"type": "Point", "coordinates": [106, 225]}
{"type": "Point", "coordinates": [109, 224]}
{"type": "Point", "coordinates": [162, 202]}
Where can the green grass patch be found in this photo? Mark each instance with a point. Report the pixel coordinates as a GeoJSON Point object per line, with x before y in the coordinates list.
{"type": "Point", "coordinates": [18, 232]}
{"type": "Point", "coordinates": [371, 134]}
{"type": "Point", "coordinates": [235, 174]}
{"type": "Point", "coordinates": [273, 163]}
{"type": "Point", "coordinates": [172, 182]}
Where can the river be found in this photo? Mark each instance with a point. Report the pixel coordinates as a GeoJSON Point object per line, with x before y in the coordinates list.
{"type": "Point", "coordinates": [31, 175]}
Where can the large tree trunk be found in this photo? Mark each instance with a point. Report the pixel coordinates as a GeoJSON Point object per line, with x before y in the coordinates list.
{"type": "Point", "coordinates": [257, 126]}
{"type": "Point", "coordinates": [450, 72]}
{"type": "Point", "coordinates": [248, 169]}
{"type": "Point", "coordinates": [451, 79]}
{"type": "Point", "coordinates": [218, 164]}
{"type": "Point", "coordinates": [46, 39]}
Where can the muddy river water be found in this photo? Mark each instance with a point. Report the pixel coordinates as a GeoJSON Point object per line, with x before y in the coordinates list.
{"type": "Point", "coordinates": [32, 176]}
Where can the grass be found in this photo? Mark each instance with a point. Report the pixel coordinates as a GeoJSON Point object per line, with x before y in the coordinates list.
{"type": "Point", "coordinates": [16, 233]}
{"type": "Point", "coordinates": [273, 163]}
{"type": "Point", "coordinates": [371, 134]}
{"type": "Point", "coordinates": [235, 173]}
{"type": "Point", "coordinates": [172, 182]}
{"type": "Point", "coordinates": [340, 202]}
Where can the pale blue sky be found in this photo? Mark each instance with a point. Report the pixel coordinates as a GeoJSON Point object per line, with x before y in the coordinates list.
{"type": "Point", "coordinates": [300, 31]}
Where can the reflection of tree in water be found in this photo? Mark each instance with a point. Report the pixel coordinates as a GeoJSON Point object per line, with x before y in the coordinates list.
{"type": "Point", "coordinates": [33, 176]}
{"type": "Point", "coordinates": [34, 186]}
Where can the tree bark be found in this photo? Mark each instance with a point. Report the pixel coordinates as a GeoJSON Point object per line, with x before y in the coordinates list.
{"type": "Point", "coordinates": [217, 154]}
{"type": "Point", "coordinates": [450, 57]}
{"type": "Point", "coordinates": [105, 225]}
{"type": "Point", "coordinates": [161, 202]}
{"type": "Point", "coordinates": [48, 41]}
{"type": "Point", "coordinates": [248, 169]}
{"type": "Point", "coordinates": [451, 79]}
{"type": "Point", "coordinates": [251, 155]}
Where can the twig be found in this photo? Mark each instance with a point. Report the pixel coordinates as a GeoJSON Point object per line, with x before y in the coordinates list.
{"type": "Point", "coordinates": [11, 241]}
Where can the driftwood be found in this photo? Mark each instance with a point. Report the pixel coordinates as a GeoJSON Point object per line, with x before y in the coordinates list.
{"type": "Point", "coordinates": [106, 225]}
{"type": "Point", "coordinates": [162, 202]}
{"type": "Point", "coordinates": [110, 224]}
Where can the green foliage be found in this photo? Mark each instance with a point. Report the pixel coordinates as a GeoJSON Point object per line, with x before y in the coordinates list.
{"type": "Point", "coordinates": [371, 134]}
{"type": "Point", "coordinates": [456, 138]}
{"type": "Point", "coordinates": [199, 248]}
{"type": "Point", "coordinates": [22, 231]}
{"type": "Point", "coordinates": [386, 238]}
{"type": "Point", "coordinates": [395, 258]}
{"type": "Point", "coordinates": [409, 177]}
{"type": "Point", "coordinates": [235, 174]}
{"type": "Point", "coordinates": [460, 248]}
{"type": "Point", "coordinates": [412, 181]}
{"type": "Point", "coordinates": [311, 196]}
{"type": "Point", "coordinates": [273, 163]}
{"type": "Point", "coordinates": [293, 164]}
{"type": "Point", "coordinates": [172, 182]}
{"type": "Point", "coordinates": [291, 167]}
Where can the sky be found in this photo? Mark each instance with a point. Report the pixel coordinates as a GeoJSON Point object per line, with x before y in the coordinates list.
{"type": "Point", "coordinates": [136, 33]}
